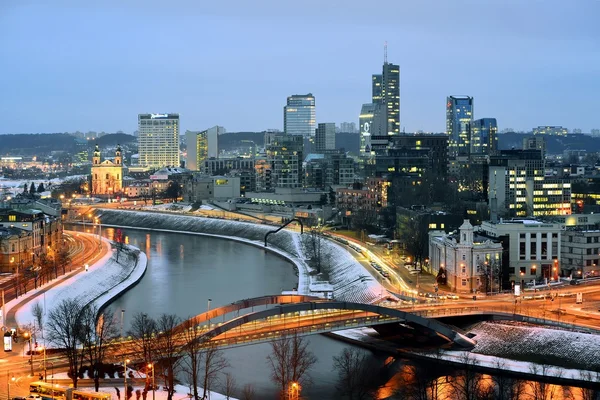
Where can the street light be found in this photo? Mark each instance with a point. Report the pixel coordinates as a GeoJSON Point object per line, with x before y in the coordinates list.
{"type": "Point", "coordinates": [125, 361]}
{"type": "Point", "coordinates": [8, 383]}
{"type": "Point", "coordinates": [294, 391]}
{"type": "Point", "coordinates": [27, 336]}
{"type": "Point", "coordinates": [52, 367]}
{"type": "Point", "coordinates": [150, 365]}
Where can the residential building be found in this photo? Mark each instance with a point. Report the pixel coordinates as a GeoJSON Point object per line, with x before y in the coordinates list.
{"type": "Point", "coordinates": [158, 140]}
{"type": "Point", "coordinates": [263, 170]}
{"type": "Point", "coordinates": [470, 262]}
{"type": "Point", "coordinates": [550, 131]}
{"type": "Point", "coordinates": [535, 143]}
{"type": "Point", "coordinates": [285, 156]}
{"type": "Point", "coordinates": [323, 171]}
{"type": "Point", "coordinates": [107, 175]}
{"type": "Point", "coordinates": [361, 204]}
{"type": "Point", "coordinates": [484, 137]}
{"type": "Point", "coordinates": [436, 144]}
{"type": "Point", "coordinates": [15, 249]}
{"type": "Point", "coordinates": [299, 115]}
{"type": "Point", "coordinates": [459, 118]}
{"type": "Point", "coordinates": [532, 249]}
{"type": "Point", "coordinates": [201, 145]}
{"type": "Point", "coordinates": [325, 137]}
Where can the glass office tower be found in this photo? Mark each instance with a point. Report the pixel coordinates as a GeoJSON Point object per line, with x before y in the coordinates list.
{"type": "Point", "coordinates": [484, 136]}
{"type": "Point", "coordinates": [459, 117]}
{"type": "Point", "coordinates": [299, 115]}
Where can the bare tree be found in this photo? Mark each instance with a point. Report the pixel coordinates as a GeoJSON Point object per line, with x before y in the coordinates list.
{"type": "Point", "coordinates": [290, 361]}
{"type": "Point", "coordinates": [315, 247]}
{"type": "Point", "coordinates": [587, 393]}
{"type": "Point", "coordinates": [143, 332]}
{"type": "Point", "coordinates": [358, 374]}
{"type": "Point", "coordinates": [38, 314]}
{"type": "Point", "coordinates": [229, 385]}
{"type": "Point", "coordinates": [213, 363]}
{"type": "Point", "coordinates": [466, 385]}
{"type": "Point", "coordinates": [248, 392]}
{"type": "Point", "coordinates": [541, 390]}
{"type": "Point", "coordinates": [167, 349]}
{"type": "Point", "coordinates": [96, 335]}
{"type": "Point", "coordinates": [64, 330]}
{"type": "Point", "coordinates": [421, 382]}
{"type": "Point", "coordinates": [63, 258]}
{"type": "Point", "coordinates": [507, 388]}
{"type": "Point", "coordinates": [119, 240]}
{"type": "Point", "coordinates": [193, 354]}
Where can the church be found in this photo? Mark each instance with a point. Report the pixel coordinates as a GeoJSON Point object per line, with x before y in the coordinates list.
{"type": "Point", "coordinates": [107, 175]}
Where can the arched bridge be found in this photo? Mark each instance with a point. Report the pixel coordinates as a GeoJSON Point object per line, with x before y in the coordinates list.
{"type": "Point", "coordinates": [307, 318]}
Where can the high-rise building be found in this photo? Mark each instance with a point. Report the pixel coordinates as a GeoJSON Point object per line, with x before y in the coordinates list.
{"type": "Point", "coordinates": [484, 136]}
{"type": "Point", "coordinates": [325, 137]}
{"type": "Point", "coordinates": [459, 118]}
{"type": "Point", "coordinates": [365, 122]}
{"type": "Point", "coordinates": [386, 95]}
{"type": "Point", "coordinates": [201, 145]}
{"type": "Point", "coordinates": [377, 89]}
{"type": "Point", "coordinates": [299, 115]}
{"type": "Point", "coordinates": [348, 127]}
{"type": "Point", "coordinates": [284, 157]}
{"type": "Point", "coordinates": [158, 140]}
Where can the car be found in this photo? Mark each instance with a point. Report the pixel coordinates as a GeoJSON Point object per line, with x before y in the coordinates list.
{"type": "Point", "coordinates": [574, 282]}
{"type": "Point", "coordinates": [18, 398]}
{"type": "Point", "coordinates": [452, 296]}
{"type": "Point", "coordinates": [33, 397]}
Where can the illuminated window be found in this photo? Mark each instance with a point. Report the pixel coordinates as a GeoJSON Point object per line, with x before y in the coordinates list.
{"type": "Point", "coordinates": [12, 218]}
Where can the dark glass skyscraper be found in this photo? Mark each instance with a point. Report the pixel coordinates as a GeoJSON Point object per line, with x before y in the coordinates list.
{"type": "Point", "coordinates": [484, 136]}
{"type": "Point", "coordinates": [459, 117]}
{"type": "Point", "coordinates": [299, 115]}
{"type": "Point", "coordinates": [390, 94]}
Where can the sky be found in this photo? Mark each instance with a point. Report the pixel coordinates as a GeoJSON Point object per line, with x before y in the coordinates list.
{"type": "Point", "coordinates": [94, 65]}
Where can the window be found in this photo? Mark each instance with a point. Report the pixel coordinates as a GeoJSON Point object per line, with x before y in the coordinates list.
{"type": "Point", "coordinates": [12, 218]}
{"type": "Point", "coordinates": [106, 176]}
{"type": "Point", "coordinates": [588, 252]}
{"type": "Point", "coordinates": [588, 262]}
{"type": "Point", "coordinates": [464, 257]}
{"type": "Point", "coordinates": [463, 269]}
{"type": "Point", "coordinates": [522, 236]}
{"type": "Point", "coordinates": [596, 239]}
{"type": "Point", "coordinates": [570, 239]}
{"type": "Point", "coordinates": [555, 235]}
{"type": "Point", "coordinates": [464, 282]}
{"type": "Point", "coordinates": [13, 247]}
{"type": "Point", "coordinates": [571, 250]}
{"type": "Point", "coordinates": [589, 240]}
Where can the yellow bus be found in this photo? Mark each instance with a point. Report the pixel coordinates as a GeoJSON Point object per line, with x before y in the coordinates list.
{"type": "Point", "coordinates": [47, 391]}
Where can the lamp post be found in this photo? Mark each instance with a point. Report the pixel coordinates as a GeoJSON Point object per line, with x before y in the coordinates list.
{"type": "Point", "coordinates": [294, 391]}
{"type": "Point", "coordinates": [52, 369]}
{"type": "Point", "coordinates": [125, 361]}
{"type": "Point", "coordinates": [207, 310]}
{"type": "Point", "coordinates": [150, 365]}
{"type": "Point", "coordinates": [8, 383]}
{"type": "Point", "coordinates": [28, 338]}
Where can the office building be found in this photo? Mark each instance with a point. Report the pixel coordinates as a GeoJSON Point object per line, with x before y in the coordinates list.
{"type": "Point", "coordinates": [518, 187]}
{"type": "Point", "coordinates": [535, 143]}
{"type": "Point", "coordinates": [325, 137]}
{"type": "Point", "coordinates": [484, 137]}
{"type": "Point", "coordinates": [348, 127]}
{"type": "Point", "coordinates": [299, 115]}
{"type": "Point", "coordinates": [201, 145]}
{"type": "Point", "coordinates": [459, 118]}
{"type": "Point", "coordinates": [550, 131]}
{"type": "Point", "coordinates": [285, 157]}
{"type": "Point", "coordinates": [222, 166]}
{"type": "Point", "coordinates": [386, 94]}
{"type": "Point", "coordinates": [365, 121]}
{"type": "Point", "coordinates": [158, 140]}
{"type": "Point", "coordinates": [323, 171]}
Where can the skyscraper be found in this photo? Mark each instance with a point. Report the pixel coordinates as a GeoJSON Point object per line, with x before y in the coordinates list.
{"type": "Point", "coordinates": [284, 157]}
{"type": "Point", "coordinates": [459, 117]}
{"type": "Point", "coordinates": [299, 115]}
{"type": "Point", "coordinates": [377, 90]}
{"type": "Point", "coordinates": [158, 140]}
{"type": "Point", "coordinates": [201, 145]}
{"type": "Point", "coordinates": [325, 137]}
{"type": "Point", "coordinates": [386, 97]}
{"type": "Point", "coordinates": [484, 136]}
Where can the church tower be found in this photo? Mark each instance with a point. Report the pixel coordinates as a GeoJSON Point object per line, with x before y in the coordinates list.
{"type": "Point", "coordinates": [96, 157]}
{"type": "Point", "coordinates": [118, 156]}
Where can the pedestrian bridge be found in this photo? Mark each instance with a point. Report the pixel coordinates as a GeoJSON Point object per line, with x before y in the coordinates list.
{"type": "Point", "coordinates": [303, 315]}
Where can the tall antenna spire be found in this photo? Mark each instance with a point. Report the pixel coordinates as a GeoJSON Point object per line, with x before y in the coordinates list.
{"type": "Point", "coordinates": [385, 52]}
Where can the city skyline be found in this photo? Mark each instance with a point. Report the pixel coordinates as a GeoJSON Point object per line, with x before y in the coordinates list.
{"type": "Point", "coordinates": [69, 71]}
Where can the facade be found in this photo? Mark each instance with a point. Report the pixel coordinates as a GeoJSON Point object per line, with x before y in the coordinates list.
{"type": "Point", "coordinates": [365, 121]}
{"type": "Point", "coordinates": [550, 130]}
{"type": "Point", "coordinates": [581, 252]}
{"type": "Point", "coordinates": [107, 175]}
{"type": "Point", "coordinates": [226, 187]}
{"type": "Point", "coordinates": [459, 118]}
{"type": "Point", "coordinates": [377, 88]}
{"type": "Point", "coordinates": [201, 145]}
{"type": "Point", "coordinates": [484, 137]}
{"type": "Point", "coordinates": [299, 115]}
{"type": "Point", "coordinates": [138, 189]}
{"type": "Point", "coordinates": [221, 166]}
{"type": "Point", "coordinates": [158, 140]}
{"type": "Point", "coordinates": [362, 203]}
{"type": "Point", "coordinates": [285, 156]}
{"type": "Point", "coordinates": [325, 137]}
{"type": "Point", "coordinates": [348, 127]}
{"type": "Point", "coordinates": [535, 143]}
{"type": "Point", "coordinates": [324, 171]}
{"type": "Point", "coordinates": [263, 173]}
{"type": "Point", "coordinates": [386, 93]}
{"type": "Point", "coordinates": [467, 259]}
{"type": "Point", "coordinates": [518, 187]}
{"type": "Point", "coordinates": [532, 248]}
{"type": "Point", "coordinates": [437, 145]}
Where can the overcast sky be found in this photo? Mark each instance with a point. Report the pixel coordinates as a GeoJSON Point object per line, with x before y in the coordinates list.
{"type": "Point", "coordinates": [73, 65]}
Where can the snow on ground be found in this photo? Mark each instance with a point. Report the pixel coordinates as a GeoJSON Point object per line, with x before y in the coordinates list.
{"type": "Point", "coordinates": [507, 339]}
{"type": "Point", "coordinates": [171, 207]}
{"type": "Point", "coordinates": [181, 392]}
{"type": "Point", "coordinates": [104, 280]}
